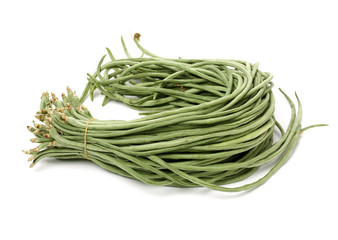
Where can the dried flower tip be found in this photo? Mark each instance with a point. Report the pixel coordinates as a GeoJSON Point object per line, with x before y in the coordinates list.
{"type": "Point", "coordinates": [69, 106]}
{"type": "Point", "coordinates": [33, 140]}
{"type": "Point", "coordinates": [51, 101]}
{"type": "Point", "coordinates": [53, 95]}
{"type": "Point", "coordinates": [39, 117]}
{"type": "Point", "coordinates": [83, 107]}
{"type": "Point", "coordinates": [35, 149]}
{"type": "Point", "coordinates": [63, 95]}
{"type": "Point", "coordinates": [78, 109]}
{"type": "Point", "coordinates": [29, 128]}
{"type": "Point", "coordinates": [52, 143]}
{"type": "Point", "coordinates": [37, 131]}
{"type": "Point", "coordinates": [26, 151]}
{"type": "Point", "coordinates": [43, 110]}
{"type": "Point", "coordinates": [32, 165]}
{"type": "Point", "coordinates": [49, 119]}
{"type": "Point", "coordinates": [137, 36]}
{"type": "Point", "coordinates": [68, 89]}
{"type": "Point", "coordinates": [64, 117]}
{"type": "Point", "coordinates": [31, 158]}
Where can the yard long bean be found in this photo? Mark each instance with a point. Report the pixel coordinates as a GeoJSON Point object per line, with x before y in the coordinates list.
{"type": "Point", "coordinates": [208, 122]}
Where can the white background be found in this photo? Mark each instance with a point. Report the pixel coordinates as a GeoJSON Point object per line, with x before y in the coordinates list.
{"type": "Point", "coordinates": [47, 46]}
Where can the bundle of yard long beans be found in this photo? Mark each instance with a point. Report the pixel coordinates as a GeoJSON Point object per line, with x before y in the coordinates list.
{"type": "Point", "coordinates": [209, 122]}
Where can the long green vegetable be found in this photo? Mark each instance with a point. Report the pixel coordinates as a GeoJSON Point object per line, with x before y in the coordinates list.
{"type": "Point", "coordinates": [209, 122]}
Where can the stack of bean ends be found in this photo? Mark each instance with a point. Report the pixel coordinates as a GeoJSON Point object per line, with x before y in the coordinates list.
{"type": "Point", "coordinates": [208, 122]}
